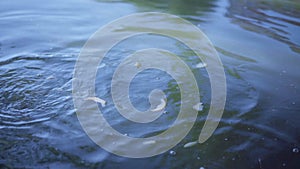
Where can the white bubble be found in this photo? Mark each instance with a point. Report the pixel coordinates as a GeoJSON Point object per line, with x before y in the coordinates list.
{"type": "Point", "coordinates": [295, 150]}
{"type": "Point", "coordinates": [198, 106]}
{"type": "Point", "coordinates": [201, 65]}
{"type": "Point", "coordinates": [138, 65]}
{"type": "Point", "coordinates": [173, 153]}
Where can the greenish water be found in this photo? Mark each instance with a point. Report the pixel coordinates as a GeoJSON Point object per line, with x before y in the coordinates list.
{"type": "Point", "coordinates": [258, 42]}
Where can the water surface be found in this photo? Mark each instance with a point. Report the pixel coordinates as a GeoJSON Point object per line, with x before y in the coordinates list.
{"type": "Point", "coordinates": [258, 42]}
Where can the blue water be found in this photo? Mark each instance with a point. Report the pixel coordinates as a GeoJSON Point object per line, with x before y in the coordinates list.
{"type": "Point", "coordinates": [258, 43]}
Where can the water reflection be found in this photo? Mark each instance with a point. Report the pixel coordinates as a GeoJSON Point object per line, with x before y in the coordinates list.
{"type": "Point", "coordinates": [278, 20]}
{"type": "Point", "coordinates": [178, 7]}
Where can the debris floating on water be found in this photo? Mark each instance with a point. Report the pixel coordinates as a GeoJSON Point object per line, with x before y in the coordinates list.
{"type": "Point", "coordinates": [201, 65]}
{"type": "Point", "coordinates": [198, 106]}
{"type": "Point", "coordinates": [138, 64]}
{"type": "Point", "coordinates": [172, 153]}
{"type": "Point", "coordinates": [98, 100]}
{"type": "Point", "coordinates": [161, 106]}
{"type": "Point", "coordinates": [190, 144]}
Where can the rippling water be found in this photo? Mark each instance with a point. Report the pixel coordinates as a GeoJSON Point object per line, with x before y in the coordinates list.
{"type": "Point", "coordinates": [258, 42]}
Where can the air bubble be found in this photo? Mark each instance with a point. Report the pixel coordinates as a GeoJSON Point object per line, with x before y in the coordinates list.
{"type": "Point", "coordinates": [295, 150]}
{"type": "Point", "coordinates": [172, 153]}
